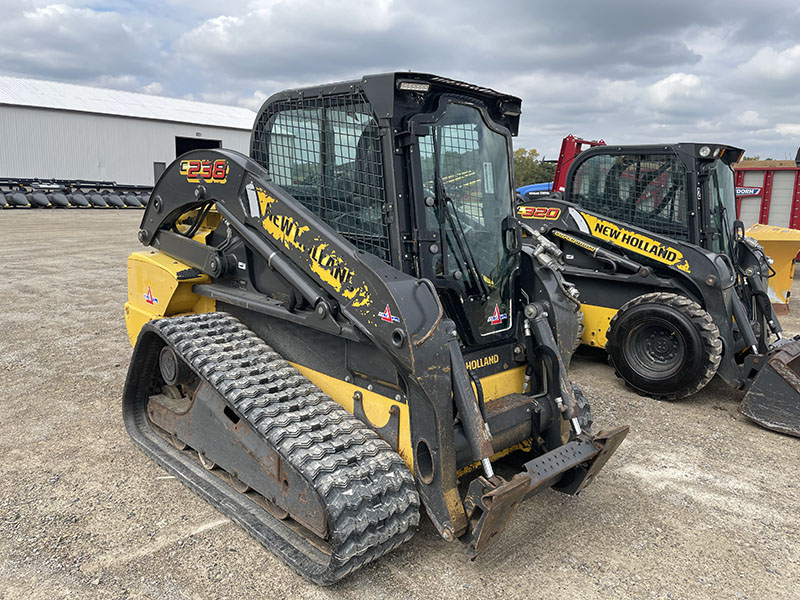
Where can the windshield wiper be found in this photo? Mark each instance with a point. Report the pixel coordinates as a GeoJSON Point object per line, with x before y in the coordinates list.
{"type": "Point", "coordinates": [458, 233]}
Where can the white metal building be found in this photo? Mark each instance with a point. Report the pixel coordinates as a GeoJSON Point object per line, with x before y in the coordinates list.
{"type": "Point", "coordinates": [52, 130]}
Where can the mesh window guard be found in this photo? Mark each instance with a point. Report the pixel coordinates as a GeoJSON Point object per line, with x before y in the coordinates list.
{"type": "Point", "coordinates": [326, 152]}
{"type": "Point", "coordinates": [646, 190]}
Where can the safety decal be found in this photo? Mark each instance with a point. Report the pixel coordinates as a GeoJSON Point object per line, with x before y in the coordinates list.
{"type": "Point", "coordinates": [636, 242]}
{"type": "Point", "coordinates": [149, 298]}
{"type": "Point", "coordinates": [387, 316]}
{"type": "Point", "coordinates": [548, 213]}
{"type": "Point", "coordinates": [205, 171]}
{"type": "Point", "coordinates": [497, 317]}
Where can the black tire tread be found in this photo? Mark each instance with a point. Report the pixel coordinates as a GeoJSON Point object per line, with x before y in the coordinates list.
{"type": "Point", "coordinates": [709, 333]}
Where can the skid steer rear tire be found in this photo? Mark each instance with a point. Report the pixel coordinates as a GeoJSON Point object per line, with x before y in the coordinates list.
{"type": "Point", "coordinates": [664, 345]}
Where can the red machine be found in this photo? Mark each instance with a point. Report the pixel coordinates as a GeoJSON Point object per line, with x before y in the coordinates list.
{"type": "Point", "coordinates": [571, 146]}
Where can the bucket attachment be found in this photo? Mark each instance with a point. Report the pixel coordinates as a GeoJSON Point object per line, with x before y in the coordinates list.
{"type": "Point", "coordinates": [773, 400]}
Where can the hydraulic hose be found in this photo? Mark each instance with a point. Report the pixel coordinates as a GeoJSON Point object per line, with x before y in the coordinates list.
{"type": "Point", "coordinates": [598, 252]}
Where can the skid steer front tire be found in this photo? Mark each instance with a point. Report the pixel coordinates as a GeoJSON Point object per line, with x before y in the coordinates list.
{"type": "Point", "coordinates": [664, 345]}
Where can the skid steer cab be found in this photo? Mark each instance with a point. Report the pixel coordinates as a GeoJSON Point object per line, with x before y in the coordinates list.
{"type": "Point", "coordinates": [341, 327]}
{"type": "Point", "coordinates": [670, 285]}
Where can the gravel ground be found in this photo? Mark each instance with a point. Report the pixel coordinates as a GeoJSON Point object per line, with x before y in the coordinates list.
{"type": "Point", "coordinates": [697, 503]}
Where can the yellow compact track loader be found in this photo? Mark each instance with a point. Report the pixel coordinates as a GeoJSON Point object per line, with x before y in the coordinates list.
{"type": "Point", "coordinates": [341, 327]}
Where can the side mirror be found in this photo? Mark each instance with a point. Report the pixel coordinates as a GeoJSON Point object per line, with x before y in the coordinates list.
{"type": "Point", "coordinates": [738, 230]}
{"type": "Point", "coordinates": [512, 235]}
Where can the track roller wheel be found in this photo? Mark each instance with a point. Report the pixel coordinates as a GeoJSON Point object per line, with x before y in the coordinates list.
{"type": "Point", "coordinates": [179, 445]}
{"type": "Point", "coordinates": [664, 345]}
{"type": "Point", "coordinates": [208, 465]}
{"type": "Point", "coordinates": [275, 510]}
{"type": "Point", "coordinates": [238, 484]}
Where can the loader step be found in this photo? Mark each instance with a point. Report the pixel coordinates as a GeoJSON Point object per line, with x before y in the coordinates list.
{"type": "Point", "coordinates": [369, 496]}
{"type": "Point", "coordinates": [491, 505]}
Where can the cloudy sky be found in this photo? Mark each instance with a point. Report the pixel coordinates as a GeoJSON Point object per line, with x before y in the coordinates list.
{"type": "Point", "coordinates": [627, 71]}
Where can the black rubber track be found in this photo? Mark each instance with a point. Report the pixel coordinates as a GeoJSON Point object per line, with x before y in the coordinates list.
{"type": "Point", "coordinates": [708, 331]}
{"type": "Point", "coordinates": [372, 505]}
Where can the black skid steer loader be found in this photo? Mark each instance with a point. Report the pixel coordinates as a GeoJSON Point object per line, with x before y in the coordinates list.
{"type": "Point", "coordinates": [334, 330]}
{"type": "Point", "coordinates": [670, 285]}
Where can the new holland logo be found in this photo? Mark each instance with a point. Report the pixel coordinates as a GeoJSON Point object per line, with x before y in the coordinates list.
{"type": "Point", "coordinates": [149, 298]}
{"type": "Point", "coordinates": [636, 242]}
{"type": "Point", "coordinates": [387, 316]}
{"type": "Point", "coordinates": [497, 317]}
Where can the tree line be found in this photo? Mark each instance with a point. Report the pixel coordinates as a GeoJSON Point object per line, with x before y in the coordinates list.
{"type": "Point", "coordinates": [530, 168]}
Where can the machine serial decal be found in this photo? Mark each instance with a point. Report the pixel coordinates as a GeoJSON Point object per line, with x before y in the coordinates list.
{"type": "Point", "coordinates": [636, 242]}
{"type": "Point", "coordinates": [549, 213]}
{"type": "Point", "coordinates": [496, 318]}
{"type": "Point", "coordinates": [149, 298]}
{"type": "Point", "coordinates": [204, 171]}
{"type": "Point", "coordinates": [483, 361]}
{"type": "Point", "coordinates": [387, 316]}
{"type": "Point", "coordinates": [323, 261]}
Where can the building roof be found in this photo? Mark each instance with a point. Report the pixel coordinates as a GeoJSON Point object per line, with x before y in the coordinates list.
{"type": "Point", "coordinates": [81, 98]}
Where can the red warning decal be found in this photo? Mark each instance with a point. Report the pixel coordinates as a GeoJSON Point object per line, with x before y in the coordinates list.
{"type": "Point", "coordinates": [387, 316]}
{"type": "Point", "coordinates": [149, 298]}
{"type": "Point", "coordinates": [497, 317]}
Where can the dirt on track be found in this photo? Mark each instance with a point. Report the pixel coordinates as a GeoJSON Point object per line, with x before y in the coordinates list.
{"type": "Point", "coordinates": [697, 503]}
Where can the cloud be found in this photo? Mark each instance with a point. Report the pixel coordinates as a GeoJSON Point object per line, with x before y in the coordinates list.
{"type": "Point", "coordinates": [771, 64]}
{"type": "Point", "coordinates": [623, 70]}
{"type": "Point", "coordinates": [676, 90]}
{"type": "Point", "coordinates": [788, 129]}
{"type": "Point", "coordinates": [751, 118]}
{"type": "Point", "coordinates": [155, 88]}
{"type": "Point", "coordinates": [71, 43]}
{"type": "Point", "coordinates": [255, 101]}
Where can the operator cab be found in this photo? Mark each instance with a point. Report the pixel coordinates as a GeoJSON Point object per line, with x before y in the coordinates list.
{"type": "Point", "coordinates": [414, 169]}
{"type": "Point", "coordinates": [681, 191]}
